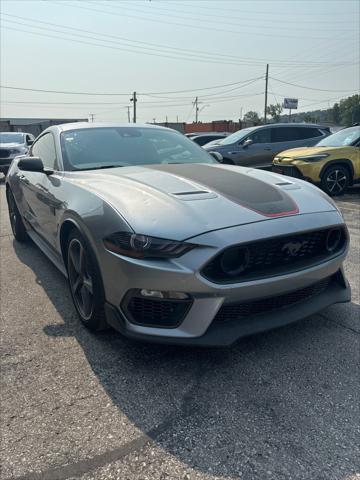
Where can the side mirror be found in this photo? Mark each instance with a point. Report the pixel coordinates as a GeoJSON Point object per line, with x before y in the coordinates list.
{"type": "Point", "coordinates": [217, 155]}
{"type": "Point", "coordinates": [247, 142]}
{"type": "Point", "coordinates": [33, 164]}
{"type": "Point", "coordinates": [29, 142]}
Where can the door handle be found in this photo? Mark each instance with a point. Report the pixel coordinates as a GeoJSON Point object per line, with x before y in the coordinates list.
{"type": "Point", "coordinates": [267, 148]}
{"type": "Point", "coordinates": [232, 153]}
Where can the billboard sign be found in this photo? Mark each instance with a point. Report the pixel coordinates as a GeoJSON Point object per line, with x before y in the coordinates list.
{"type": "Point", "coordinates": [291, 103]}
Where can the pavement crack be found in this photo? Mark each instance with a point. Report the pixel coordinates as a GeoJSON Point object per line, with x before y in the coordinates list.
{"type": "Point", "coordinates": [78, 469]}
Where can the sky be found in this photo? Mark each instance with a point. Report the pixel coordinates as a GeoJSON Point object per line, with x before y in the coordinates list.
{"type": "Point", "coordinates": [172, 51]}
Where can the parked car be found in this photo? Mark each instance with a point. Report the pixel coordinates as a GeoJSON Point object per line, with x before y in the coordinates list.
{"type": "Point", "coordinates": [333, 164]}
{"type": "Point", "coordinates": [205, 138]}
{"type": "Point", "coordinates": [13, 144]}
{"type": "Point", "coordinates": [257, 146]}
{"type": "Point", "coordinates": [168, 245]}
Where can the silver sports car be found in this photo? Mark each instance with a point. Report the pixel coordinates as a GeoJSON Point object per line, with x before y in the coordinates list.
{"type": "Point", "coordinates": [162, 242]}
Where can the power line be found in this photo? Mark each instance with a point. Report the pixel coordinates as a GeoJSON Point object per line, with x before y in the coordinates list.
{"type": "Point", "coordinates": [311, 88]}
{"type": "Point", "coordinates": [263, 12]}
{"type": "Point", "coordinates": [122, 94]}
{"type": "Point", "coordinates": [242, 18]}
{"type": "Point", "coordinates": [196, 19]}
{"type": "Point", "coordinates": [148, 45]}
{"type": "Point", "coordinates": [197, 27]}
{"type": "Point", "coordinates": [187, 58]}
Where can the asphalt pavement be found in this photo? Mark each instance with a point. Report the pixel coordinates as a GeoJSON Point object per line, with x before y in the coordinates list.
{"type": "Point", "coordinates": [282, 405]}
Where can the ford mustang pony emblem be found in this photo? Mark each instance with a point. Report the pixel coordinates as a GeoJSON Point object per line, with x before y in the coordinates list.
{"type": "Point", "coordinates": [292, 248]}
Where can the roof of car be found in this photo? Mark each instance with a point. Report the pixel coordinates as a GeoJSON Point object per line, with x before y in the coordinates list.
{"type": "Point", "coordinates": [211, 134]}
{"type": "Point", "coordinates": [291, 125]}
{"type": "Point", "coordinates": [79, 125]}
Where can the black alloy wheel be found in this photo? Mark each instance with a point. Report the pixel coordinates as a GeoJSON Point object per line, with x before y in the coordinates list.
{"type": "Point", "coordinates": [17, 224]}
{"type": "Point", "coordinates": [335, 180]}
{"type": "Point", "coordinates": [85, 283]}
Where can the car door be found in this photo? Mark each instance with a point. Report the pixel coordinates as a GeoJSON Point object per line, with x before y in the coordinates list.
{"type": "Point", "coordinates": [254, 151]}
{"type": "Point", "coordinates": [38, 190]}
{"type": "Point", "coordinates": [284, 138]}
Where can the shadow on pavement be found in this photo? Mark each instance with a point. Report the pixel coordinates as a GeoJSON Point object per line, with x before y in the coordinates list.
{"type": "Point", "coordinates": [272, 403]}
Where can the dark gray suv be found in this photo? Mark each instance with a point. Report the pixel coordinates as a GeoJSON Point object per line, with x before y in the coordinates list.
{"type": "Point", "coordinates": [257, 146]}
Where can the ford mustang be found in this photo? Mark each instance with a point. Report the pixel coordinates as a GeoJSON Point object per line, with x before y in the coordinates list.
{"type": "Point", "coordinates": [163, 242]}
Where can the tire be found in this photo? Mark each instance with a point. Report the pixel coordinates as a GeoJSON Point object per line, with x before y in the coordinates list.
{"type": "Point", "coordinates": [17, 224]}
{"type": "Point", "coordinates": [85, 282]}
{"type": "Point", "coordinates": [335, 180]}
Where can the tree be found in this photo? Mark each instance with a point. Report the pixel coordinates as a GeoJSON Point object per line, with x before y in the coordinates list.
{"type": "Point", "coordinates": [252, 117]}
{"type": "Point", "coordinates": [350, 110]}
{"type": "Point", "coordinates": [335, 114]}
{"type": "Point", "coordinates": [274, 111]}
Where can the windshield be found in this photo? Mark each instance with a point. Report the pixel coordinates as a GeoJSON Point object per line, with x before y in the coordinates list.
{"type": "Point", "coordinates": [102, 147]}
{"type": "Point", "coordinates": [345, 137]}
{"type": "Point", "coordinates": [235, 137]}
{"type": "Point", "coordinates": [11, 137]}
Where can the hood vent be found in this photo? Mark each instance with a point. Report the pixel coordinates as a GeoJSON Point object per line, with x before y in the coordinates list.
{"type": "Point", "coordinates": [196, 192]}
{"type": "Point", "coordinates": [195, 195]}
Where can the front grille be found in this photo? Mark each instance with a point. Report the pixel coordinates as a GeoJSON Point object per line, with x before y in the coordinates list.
{"type": "Point", "coordinates": [288, 170]}
{"type": "Point", "coordinates": [4, 153]}
{"type": "Point", "coordinates": [154, 312]}
{"type": "Point", "coordinates": [273, 256]}
{"type": "Point", "coordinates": [238, 311]}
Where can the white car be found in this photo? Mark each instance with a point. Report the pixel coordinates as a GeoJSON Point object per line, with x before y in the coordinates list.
{"type": "Point", "coordinates": [13, 144]}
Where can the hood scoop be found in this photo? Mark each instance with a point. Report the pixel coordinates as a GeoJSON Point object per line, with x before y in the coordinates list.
{"type": "Point", "coordinates": [194, 195]}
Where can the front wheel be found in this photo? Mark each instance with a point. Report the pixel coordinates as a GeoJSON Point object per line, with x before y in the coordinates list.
{"type": "Point", "coordinates": [17, 224]}
{"type": "Point", "coordinates": [335, 180]}
{"type": "Point", "coordinates": [85, 283]}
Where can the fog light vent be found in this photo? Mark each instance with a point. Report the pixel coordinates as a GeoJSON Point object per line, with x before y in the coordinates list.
{"type": "Point", "coordinates": [154, 308]}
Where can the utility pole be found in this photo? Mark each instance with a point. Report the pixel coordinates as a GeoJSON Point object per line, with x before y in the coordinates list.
{"type": "Point", "coordinates": [91, 117]}
{"type": "Point", "coordinates": [154, 120]}
{"type": "Point", "coordinates": [196, 103]}
{"type": "Point", "coordinates": [128, 112]}
{"type": "Point", "coordinates": [266, 91]}
{"type": "Point", "coordinates": [134, 100]}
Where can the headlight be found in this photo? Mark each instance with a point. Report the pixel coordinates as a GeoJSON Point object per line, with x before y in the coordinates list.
{"type": "Point", "coordinates": [142, 246]}
{"type": "Point", "coordinates": [312, 158]}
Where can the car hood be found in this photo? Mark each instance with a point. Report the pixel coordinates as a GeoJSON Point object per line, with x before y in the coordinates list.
{"type": "Point", "coordinates": [299, 152]}
{"type": "Point", "coordinates": [181, 201]}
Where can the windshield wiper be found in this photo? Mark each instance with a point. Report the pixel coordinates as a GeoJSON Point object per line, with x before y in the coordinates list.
{"type": "Point", "coordinates": [101, 167]}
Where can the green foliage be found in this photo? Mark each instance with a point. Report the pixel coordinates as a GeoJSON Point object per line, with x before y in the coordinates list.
{"type": "Point", "coordinates": [344, 113]}
{"type": "Point", "coordinates": [350, 110]}
{"type": "Point", "coordinates": [252, 117]}
{"type": "Point", "coordinates": [274, 111]}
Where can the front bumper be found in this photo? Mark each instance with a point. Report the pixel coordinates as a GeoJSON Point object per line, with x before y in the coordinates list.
{"type": "Point", "coordinates": [299, 169]}
{"type": "Point", "coordinates": [222, 334]}
{"type": "Point", "coordinates": [200, 326]}
{"type": "Point", "coordinates": [288, 170]}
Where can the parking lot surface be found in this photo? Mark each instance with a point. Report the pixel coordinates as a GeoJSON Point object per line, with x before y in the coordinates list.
{"type": "Point", "coordinates": [280, 405]}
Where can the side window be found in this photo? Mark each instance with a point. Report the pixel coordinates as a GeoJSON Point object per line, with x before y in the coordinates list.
{"type": "Point", "coordinates": [284, 134]}
{"type": "Point", "coordinates": [261, 136]}
{"type": "Point", "coordinates": [45, 149]}
{"type": "Point", "coordinates": [308, 132]}
{"type": "Point", "coordinates": [204, 139]}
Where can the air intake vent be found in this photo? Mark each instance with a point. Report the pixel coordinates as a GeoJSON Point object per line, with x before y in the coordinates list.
{"type": "Point", "coordinates": [195, 192]}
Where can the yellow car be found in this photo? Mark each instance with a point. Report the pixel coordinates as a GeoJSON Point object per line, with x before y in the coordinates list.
{"type": "Point", "coordinates": [333, 164]}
